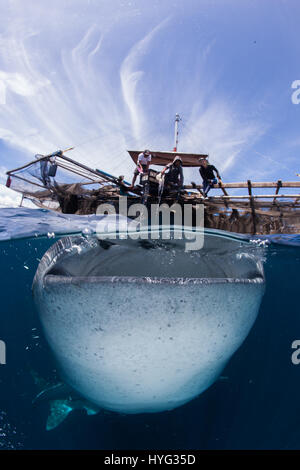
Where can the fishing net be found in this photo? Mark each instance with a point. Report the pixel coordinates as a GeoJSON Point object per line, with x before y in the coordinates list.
{"type": "Point", "coordinates": [59, 183]}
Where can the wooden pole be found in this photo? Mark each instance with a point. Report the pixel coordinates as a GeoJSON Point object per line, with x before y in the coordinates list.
{"type": "Point", "coordinates": [273, 184]}
{"type": "Point", "coordinates": [252, 206]}
{"type": "Point", "coordinates": [177, 119]}
{"type": "Point", "coordinates": [259, 196]}
{"type": "Point", "coordinates": [279, 185]}
{"type": "Point", "coordinates": [222, 187]}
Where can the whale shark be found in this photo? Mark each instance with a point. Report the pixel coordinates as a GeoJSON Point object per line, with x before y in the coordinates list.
{"type": "Point", "coordinates": [142, 325]}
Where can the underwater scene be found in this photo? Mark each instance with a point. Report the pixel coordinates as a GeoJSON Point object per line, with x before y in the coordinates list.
{"type": "Point", "coordinates": [140, 344]}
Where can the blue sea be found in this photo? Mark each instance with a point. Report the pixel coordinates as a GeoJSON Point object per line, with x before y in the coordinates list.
{"type": "Point", "coordinates": [254, 404]}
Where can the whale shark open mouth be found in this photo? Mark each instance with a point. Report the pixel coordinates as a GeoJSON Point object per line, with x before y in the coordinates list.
{"type": "Point", "coordinates": [143, 325]}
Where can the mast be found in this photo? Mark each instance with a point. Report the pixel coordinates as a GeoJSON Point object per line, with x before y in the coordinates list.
{"type": "Point", "coordinates": [177, 119]}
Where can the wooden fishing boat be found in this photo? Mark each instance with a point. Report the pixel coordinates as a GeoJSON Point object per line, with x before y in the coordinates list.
{"type": "Point", "coordinates": [60, 183]}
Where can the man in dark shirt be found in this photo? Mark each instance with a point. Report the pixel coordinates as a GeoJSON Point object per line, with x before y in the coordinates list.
{"type": "Point", "coordinates": [174, 176]}
{"type": "Point", "coordinates": [208, 176]}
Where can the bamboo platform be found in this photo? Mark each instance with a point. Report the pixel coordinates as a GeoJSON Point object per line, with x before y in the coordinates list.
{"type": "Point", "coordinates": [248, 210]}
{"type": "Point", "coordinates": [253, 213]}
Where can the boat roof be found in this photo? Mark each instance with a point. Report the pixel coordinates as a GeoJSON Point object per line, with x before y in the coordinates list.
{"type": "Point", "coordinates": [163, 158]}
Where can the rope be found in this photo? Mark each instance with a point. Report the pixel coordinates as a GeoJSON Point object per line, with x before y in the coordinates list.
{"type": "Point", "coordinates": [273, 161]}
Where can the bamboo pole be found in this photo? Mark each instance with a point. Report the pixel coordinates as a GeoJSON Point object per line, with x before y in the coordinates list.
{"type": "Point", "coordinates": [279, 185]}
{"type": "Point", "coordinates": [284, 184]}
{"type": "Point", "coordinates": [259, 196]}
{"type": "Point", "coordinates": [25, 166]}
{"type": "Point", "coordinates": [252, 206]}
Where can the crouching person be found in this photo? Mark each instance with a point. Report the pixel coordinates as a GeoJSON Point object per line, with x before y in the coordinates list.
{"type": "Point", "coordinates": [173, 174]}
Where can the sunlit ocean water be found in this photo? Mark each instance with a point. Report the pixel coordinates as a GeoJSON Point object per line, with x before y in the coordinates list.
{"type": "Point", "coordinates": [254, 405]}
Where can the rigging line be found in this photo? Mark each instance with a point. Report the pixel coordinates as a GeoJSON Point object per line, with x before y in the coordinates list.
{"type": "Point", "coordinates": [90, 140]}
{"type": "Point", "coordinates": [146, 137]}
{"type": "Point", "coordinates": [103, 135]}
{"type": "Point", "coordinates": [95, 163]}
{"type": "Point", "coordinates": [131, 140]}
{"type": "Point", "coordinates": [98, 159]}
{"type": "Point", "coordinates": [189, 139]}
{"type": "Point", "coordinates": [92, 161]}
{"type": "Point", "coordinates": [116, 153]}
{"type": "Point", "coordinates": [116, 150]}
{"type": "Point", "coordinates": [75, 169]}
{"type": "Point", "coordinates": [123, 157]}
{"type": "Point", "coordinates": [114, 168]}
{"type": "Point", "coordinates": [77, 146]}
{"type": "Point", "coordinates": [86, 158]}
{"type": "Point", "coordinates": [184, 126]}
{"type": "Point", "coordinates": [274, 161]}
{"type": "Point", "coordinates": [187, 134]}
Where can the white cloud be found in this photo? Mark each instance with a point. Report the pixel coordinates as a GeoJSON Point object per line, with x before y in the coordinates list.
{"type": "Point", "coordinates": [8, 197]}
{"type": "Point", "coordinates": [78, 74]}
{"type": "Point", "coordinates": [130, 77]}
{"type": "Point", "coordinates": [19, 84]}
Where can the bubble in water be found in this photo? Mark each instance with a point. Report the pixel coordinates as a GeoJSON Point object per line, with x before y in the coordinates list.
{"type": "Point", "coordinates": [260, 242]}
{"type": "Point", "coordinates": [87, 232]}
{"type": "Point", "coordinates": [8, 434]}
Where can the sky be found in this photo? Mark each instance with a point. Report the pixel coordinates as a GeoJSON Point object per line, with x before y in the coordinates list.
{"type": "Point", "coordinates": [105, 76]}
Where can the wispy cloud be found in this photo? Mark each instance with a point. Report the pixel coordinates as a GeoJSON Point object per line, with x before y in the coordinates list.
{"type": "Point", "coordinates": [8, 197]}
{"type": "Point", "coordinates": [106, 78]}
{"type": "Point", "coordinates": [131, 75]}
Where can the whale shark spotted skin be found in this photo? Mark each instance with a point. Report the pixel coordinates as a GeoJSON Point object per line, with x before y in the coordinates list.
{"type": "Point", "coordinates": [145, 327]}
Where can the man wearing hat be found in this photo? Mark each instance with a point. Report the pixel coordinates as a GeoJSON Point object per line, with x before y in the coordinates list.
{"type": "Point", "coordinates": [143, 163]}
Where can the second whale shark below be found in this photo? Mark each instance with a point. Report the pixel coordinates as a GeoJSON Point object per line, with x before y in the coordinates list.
{"type": "Point", "coordinates": [143, 325]}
